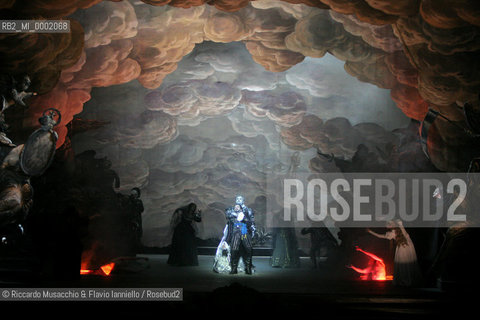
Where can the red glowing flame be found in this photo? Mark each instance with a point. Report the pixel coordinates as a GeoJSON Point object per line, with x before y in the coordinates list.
{"type": "Point", "coordinates": [86, 266]}
{"type": "Point", "coordinates": [375, 269]}
{"type": "Point", "coordinates": [85, 271]}
{"type": "Point", "coordinates": [104, 270]}
{"type": "Point", "coordinates": [108, 268]}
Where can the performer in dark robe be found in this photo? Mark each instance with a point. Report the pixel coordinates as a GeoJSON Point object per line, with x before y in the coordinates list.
{"type": "Point", "coordinates": [285, 249]}
{"type": "Point", "coordinates": [183, 250]}
{"type": "Point", "coordinates": [322, 242]}
{"type": "Point", "coordinates": [241, 229]}
{"type": "Point", "coordinates": [134, 219]}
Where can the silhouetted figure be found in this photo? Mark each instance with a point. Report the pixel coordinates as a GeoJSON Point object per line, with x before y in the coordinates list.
{"type": "Point", "coordinates": [472, 115]}
{"type": "Point", "coordinates": [322, 242]}
{"type": "Point", "coordinates": [109, 179]}
{"type": "Point", "coordinates": [285, 249]}
{"type": "Point", "coordinates": [135, 210]}
{"type": "Point", "coordinates": [183, 250]}
{"type": "Point", "coordinates": [456, 263]}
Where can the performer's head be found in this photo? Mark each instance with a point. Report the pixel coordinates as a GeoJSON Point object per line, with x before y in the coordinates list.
{"type": "Point", "coordinates": [135, 193]}
{"type": "Point", "coordinates": [399, 237]}
{"type": "Point", "coordinates": [25, 83]}
{"type": "Point", "coordinates": [239, 200]}
{"type": "Point", "coordinates": [390, 224]}
{"type": "Point", "coordinates": [192, 207]}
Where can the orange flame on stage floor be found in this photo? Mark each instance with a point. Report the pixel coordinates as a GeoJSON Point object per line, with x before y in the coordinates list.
{"type": "Point", "coordinates": [375, 269]}
{"type": "Point", "coordinates": [85, 271]}
{"type": "Point", "coordinates": [104, 270]}
{"type": "Point", "coordinates": [108, 268]}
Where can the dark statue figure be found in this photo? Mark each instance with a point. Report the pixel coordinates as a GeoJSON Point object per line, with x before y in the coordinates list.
{"type": "Point", "coordinates": [16, 92]}
{"type": "Point", "coordinates": [88, 166]}
{"type": "Point", "coordinates": [13, 92]}
{"type": "Point", "coordinates": [241, 229]}
{"type": "Point", "coordinates": [135, 209]}
{"type": "Point", "coordinates": [16, 192]}
{"type": "Point", "coordinates": [110, 178]}
{"type": "Point", "coordinates": [183, 249]}
{"type": "Point", "coordinates": [132, 226]}
{"type": "Point", "coordinates": [285, 249]}
{"type": "Point", "coordinates": [18, 165]}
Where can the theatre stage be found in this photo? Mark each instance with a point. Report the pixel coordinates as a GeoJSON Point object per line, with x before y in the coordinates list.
{"type": "Point", "coordinates": [277, 289]}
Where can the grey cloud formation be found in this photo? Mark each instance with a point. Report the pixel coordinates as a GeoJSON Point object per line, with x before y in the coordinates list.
{"type": "Point", "coordinates": [334, 93]}
{"type": "Point", "coordinates": [335, 136]}
{"type": "Point", "coordinates": [191, 100]}
{"type": "Point", "coordinates": [228, 63]}
{"type": "Point", "coordinates": [202, 136]}
{"type": "Point", "coordinates": [286, 109]}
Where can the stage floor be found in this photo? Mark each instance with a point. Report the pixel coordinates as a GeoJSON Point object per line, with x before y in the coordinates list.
{"type": "Point", "coordinates": [201, 278]}
{"type": "Point", "coordinates": [289, 289]}
{"type": "Point", "coordinates": [272, 289]}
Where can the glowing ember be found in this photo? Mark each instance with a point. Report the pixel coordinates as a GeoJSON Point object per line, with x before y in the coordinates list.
{"type": "Point", "coordinates": [104, 270]}
{"type": "Point", "coordinates": [107, 268]}
{"type": "Point", "coordinates": [84, 271]}
{"type": "Point", "coordinates": [375, 269]}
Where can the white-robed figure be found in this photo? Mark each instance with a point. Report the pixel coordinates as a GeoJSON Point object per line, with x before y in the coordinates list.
{"type": "Point", "coordinates": [406, 271]}
{"type": "Point", "coordinates": [221, 264]}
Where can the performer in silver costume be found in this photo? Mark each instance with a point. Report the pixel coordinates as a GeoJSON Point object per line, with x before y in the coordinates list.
{"type": "Point", "coordinates": [237, 239]}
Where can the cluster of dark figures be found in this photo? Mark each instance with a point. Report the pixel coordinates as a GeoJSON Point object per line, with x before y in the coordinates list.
{"type": "Point", "coordinates": [234, 251]}
{"type": "Point", "coordinates": [76, 209]}
{"type": "Point", "coordinates": [85, 216]}
{"type": "Point", "coordinates": [117, 217]}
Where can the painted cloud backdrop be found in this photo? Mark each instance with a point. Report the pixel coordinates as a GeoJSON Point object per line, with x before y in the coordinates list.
{"type": "Point", "coordinates": [221, 121]}
{"type": "Point", "coordinates": [206, 98]}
